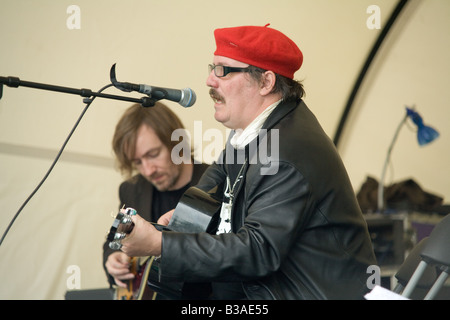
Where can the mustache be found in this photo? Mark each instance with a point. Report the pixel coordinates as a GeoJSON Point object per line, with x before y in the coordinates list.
{"type": "Point", "coordinates": [215, 95]}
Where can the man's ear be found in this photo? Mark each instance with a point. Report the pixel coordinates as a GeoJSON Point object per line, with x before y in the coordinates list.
{"type": "Point", "coordinates": [268, 82]}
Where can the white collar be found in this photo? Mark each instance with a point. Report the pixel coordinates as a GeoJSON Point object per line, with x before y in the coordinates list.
{"type": "Point", "coordinates": [243, 137]}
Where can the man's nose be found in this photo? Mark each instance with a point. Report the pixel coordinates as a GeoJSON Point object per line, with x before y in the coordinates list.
{"type": "Point", "coordinates": [211, 81]}
{"type": "Point", "coordinates": [148, 167]}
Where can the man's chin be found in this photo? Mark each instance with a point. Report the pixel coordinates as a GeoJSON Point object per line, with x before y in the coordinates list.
{"type": "Point", "coordinates": [161, 187]}
{"type": "Point", "coordinates": [224, 122]}
{"type": "Point", "coordinates": [220, 118]}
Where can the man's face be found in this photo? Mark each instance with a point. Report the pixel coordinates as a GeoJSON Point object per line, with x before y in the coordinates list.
{"type": "Point", "coordinates": [236, 96]}
{"type": "Point", "coordinates": [153, 160]}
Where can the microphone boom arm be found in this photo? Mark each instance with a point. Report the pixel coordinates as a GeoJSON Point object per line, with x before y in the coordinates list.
{"type": "Point", "coordinates": [15, 82]}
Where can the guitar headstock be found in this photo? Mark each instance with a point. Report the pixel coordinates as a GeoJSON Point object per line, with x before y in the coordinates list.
{"type": "Point", "coordinates": [122, 225]}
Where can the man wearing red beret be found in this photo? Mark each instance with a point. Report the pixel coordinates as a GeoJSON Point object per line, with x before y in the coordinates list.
{"type": "Point", "coordinates": [290, 226]}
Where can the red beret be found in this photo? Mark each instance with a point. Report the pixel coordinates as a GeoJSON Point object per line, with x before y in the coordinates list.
{"type": "Point", "coordinates": [262, 47]}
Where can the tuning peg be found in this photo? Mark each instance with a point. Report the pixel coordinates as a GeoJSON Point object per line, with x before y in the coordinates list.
{"type": "Point", "coordinates": [115, 245]}
{"type": "Point", "coordinates": [119, 236]}
{"type": "Point", "coordinates": [126, 220]}
{"type": "Point", "coordinates": [131, 211]}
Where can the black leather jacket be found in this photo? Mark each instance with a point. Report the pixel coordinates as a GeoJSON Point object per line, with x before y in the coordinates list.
{"type": "Point", "coordinates": [296, 234]}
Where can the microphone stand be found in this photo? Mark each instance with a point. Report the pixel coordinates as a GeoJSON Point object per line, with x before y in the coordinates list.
{"type": "Point", "coordinates": [88, 95]}
{"type": "Point", "coordinates": [15, 82]}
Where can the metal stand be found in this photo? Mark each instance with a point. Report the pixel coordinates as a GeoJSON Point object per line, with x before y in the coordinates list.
{"type": "Point", "coordinates": [15, 82]}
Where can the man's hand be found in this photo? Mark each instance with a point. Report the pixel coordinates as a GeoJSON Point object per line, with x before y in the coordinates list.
{"type": "Point", "coordinates": [118, 266]}
{"type": "Point", "coordinates": [165, 218]}
{"type": "Point", "coordinates": [143, 240]}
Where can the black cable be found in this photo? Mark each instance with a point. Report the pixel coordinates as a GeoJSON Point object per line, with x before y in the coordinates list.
{"type": "Point", "coordinates": [88, 103]}
{"type": "Point", "coordinates": [400, 5]}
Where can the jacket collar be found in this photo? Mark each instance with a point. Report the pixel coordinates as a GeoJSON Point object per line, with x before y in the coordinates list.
{"type": "Point", "coordinates": [280, 112]}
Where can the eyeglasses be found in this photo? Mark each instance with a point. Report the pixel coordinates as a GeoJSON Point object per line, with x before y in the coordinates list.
{"type": "Point", "coordinates": [222, 71]}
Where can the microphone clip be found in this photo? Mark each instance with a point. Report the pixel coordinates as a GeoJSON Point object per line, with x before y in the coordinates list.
{"type": "Point", "coordinates": [129, 87]}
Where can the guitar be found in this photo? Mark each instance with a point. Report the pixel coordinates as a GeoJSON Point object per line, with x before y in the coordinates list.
{"type": "Point", "coordinates": [193, 214]}
{"type": "Point", "coordinates": [136, 288]}
{"type": "Point", "coordinates": [139, 266]}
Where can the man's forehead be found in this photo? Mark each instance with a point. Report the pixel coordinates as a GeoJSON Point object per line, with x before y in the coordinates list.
{"type": "Point", "coordinates": [146, 140]}
{"type": "Point", "coordinates": [221, 60]}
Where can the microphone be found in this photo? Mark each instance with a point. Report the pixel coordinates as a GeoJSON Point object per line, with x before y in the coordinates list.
{"type": "Point", "coordinates": [185, 97]}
